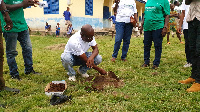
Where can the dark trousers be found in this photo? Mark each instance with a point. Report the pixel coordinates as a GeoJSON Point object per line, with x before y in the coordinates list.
{"type": "Point", "coordinates": [157, 38]}
{"type": "Point", "coordinates": [2, 81]}
{"type": "Point", "coordinates": [194, 44]}
{"type": "Point", "coordinates": [187, 49]}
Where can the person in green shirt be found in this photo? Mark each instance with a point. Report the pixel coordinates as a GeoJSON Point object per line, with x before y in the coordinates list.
{"type": "Point", "coordinates": [156, 18]}
{"type": "Point", "coordinates": [18, 32]}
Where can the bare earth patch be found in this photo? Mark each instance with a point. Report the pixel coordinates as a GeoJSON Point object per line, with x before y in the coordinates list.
{"type": "Point", "coordinates": [99, 82]}
{"type": "Point", "coordinates": [56, 47]}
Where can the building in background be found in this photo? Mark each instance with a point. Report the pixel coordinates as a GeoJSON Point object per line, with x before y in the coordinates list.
{"type": "Point", "coordinates": [94, 12]}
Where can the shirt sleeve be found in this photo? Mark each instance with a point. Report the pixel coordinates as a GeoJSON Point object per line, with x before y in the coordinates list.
{"type": "Point", "coordinates": [183, 5]}
{"type": "Point", "coordinates": [93, 42]}
{"type": "Point", "coordinates": [76, 49]}
{"type": "Point", "coordinates": [166, 8]}
{"type": "Point", "coordinates": [135, 10]}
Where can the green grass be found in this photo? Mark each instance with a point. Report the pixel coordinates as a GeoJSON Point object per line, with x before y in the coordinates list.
{"type": "Point", "coordinates": [144, 90]}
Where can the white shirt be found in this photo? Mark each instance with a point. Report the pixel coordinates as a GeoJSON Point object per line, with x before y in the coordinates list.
{"type": "Point", "coordinates": [186, 8]}
{"type": "Point", "coordinates": [77, 46]}
{"type": "Point", "coordinates": [125, 10]}
{"type": "Point", "coordinates": [194, 11]}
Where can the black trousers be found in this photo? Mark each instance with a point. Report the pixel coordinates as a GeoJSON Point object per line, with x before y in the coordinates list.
{"type": "Point", "coordinates": [187, 49]}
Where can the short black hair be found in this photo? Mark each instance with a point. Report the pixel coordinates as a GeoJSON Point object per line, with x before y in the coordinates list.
{"type": "Point", "coordinates": [175, 2]}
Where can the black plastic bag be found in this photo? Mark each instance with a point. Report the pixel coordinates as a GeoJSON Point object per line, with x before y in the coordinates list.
{"type": "Point", "coordinates": [59, 98]}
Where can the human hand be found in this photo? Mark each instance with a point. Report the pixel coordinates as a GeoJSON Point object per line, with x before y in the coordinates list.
{"type": "Point", "coordinates": [9, 23]}
{"type": "Point", "coordinates": [27, 3]}
{"type": "Point", "coordinates": [164, 32]}
{"type": "Point", "coordinates": [90, 62]}
{"type": "Point", "coordinates": [141, 29]}
{"type": "Point", "coordinates": [179, 30]}
{"type": "Point", "coordinates": [117, 1]}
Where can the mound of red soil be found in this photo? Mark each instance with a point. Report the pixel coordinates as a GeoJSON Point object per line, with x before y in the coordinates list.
{"type": "Point", "coordinates": [99, 82]}
{"type": "Point", "coordinates": [56, 87]}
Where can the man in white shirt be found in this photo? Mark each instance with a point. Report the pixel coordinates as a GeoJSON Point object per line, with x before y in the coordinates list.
{"type": "Point", "coordinates": [183, 24]}
{"type": "Point", "coordinates": [75, 53]}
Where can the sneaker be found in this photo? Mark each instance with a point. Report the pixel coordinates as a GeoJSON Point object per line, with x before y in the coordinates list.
{"type": "Point", "coordinates": [85, 75]}
{"type": "Point", "coordinates": [154, 67]}
{"type": "Point", "coordinates": [32, 71]}
{"type": "Point", "coordinates": [187, 81]}
{"type": "Point", "coordinates": [72, 78]}
{"type": "Point", "coordinates": [16, 77]}
{"type": "Point", "coordinates": [187, 65]}
{"type": "Point", "coordinates": [113, 59]}
{"type": "Point", "coordinates": [194, 88]}
{"type": "Point", "coordinates": [145, 65]}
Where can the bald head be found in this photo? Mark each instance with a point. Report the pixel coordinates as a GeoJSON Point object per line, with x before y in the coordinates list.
{"type": "Point", "coordinates": [87, 33]}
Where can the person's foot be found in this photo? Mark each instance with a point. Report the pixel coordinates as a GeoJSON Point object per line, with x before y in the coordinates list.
{"type": "Point", "coordinates": [113, 59]}
{"type": "Point", "coordinates": [168, 43]}
{"type": "Point", "coordinates": [145, 65]}
{"type": "Point", "coordinates": [155, 67]}
{"type": "Point", "coordinates": [16, 77]}
{"type": "Point", "coordinates": [123, 60]}
{"type": "Point", "coordinates": [10, 89]}
{"type": "Point", "coordinates": [32, 71]}
{"type": "Point", "coordinates": [187, 81]}
{"type": "Point", "coordinates": [187, 65]}
{"type": "Point", "coordinates": [194, 88]}
{"type": "Point", "coordinates": [72, 78]}
{"type": "Point", "coordinates": [182, 42]}
{"type": "Point", "coordinates": [85, 75]}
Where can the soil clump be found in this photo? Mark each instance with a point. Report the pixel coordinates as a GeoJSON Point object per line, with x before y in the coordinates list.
{"type": "Point", "coordinates": [56, 87]}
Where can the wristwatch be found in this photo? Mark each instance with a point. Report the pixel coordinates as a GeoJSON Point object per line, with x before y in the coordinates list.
{"type": "Point", "coordinates": [5, 10]}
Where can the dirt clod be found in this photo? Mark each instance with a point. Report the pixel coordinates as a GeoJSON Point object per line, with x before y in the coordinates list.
{"type": "Point", "coordinates": [56, 87]}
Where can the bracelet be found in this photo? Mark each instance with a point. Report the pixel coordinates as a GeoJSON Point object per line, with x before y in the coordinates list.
{"type": "Point", "coordinates": [4, 11]}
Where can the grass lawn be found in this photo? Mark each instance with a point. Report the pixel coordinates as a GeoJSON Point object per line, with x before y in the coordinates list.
{"type": "Point", "coordinates": [144, 90]}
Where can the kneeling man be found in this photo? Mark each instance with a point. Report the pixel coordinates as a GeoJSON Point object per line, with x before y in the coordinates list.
{"type": "Point", "coordinates": [75, 53]}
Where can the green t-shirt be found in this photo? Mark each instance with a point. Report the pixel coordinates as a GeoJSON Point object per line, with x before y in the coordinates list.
{"type": "Point", "coordinates": [155, 12]}
{"type": "Point", "coordinates": [17, 17]}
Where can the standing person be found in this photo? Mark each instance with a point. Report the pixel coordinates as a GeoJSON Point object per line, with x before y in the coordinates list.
{"type": "Point", "coordinates": [172, 25]}
{"type": "Point", "coordinates": [18, 32]}
{"type": "Point", "coordinates": [193, 19]}
{"type": "Point", "coordinates": [67, 15]}
{"type": "Point", "coordinates": [47, 28]}
{"type": "Point", "coordinates": [155, 23]}
{"type": "Point", "coordinates": [125, 9]}
{"type": "Point", "coordinates": [113, 19]}
{"type": "Point", "coordinates": [69, 30]}
{"type": "Point", "coordinates": [75, 53]}
{"type": "Point", "coordinates": [185, 10]}
{"type": "Point", "coordinates": [57, 29]}
{"type": "Point", "coordinates": [9, 25]}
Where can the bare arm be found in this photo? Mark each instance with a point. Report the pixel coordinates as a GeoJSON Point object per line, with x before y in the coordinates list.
{"type": "Point", "coordinates": [24, 4]}
{"type": "Point", "coordinates": [181, 21]}
{"type": "Point", "coordinates": [164, 31]}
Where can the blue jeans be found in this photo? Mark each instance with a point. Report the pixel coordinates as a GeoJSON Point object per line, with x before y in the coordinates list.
{"type": "Point", "coordinates": [157, 38]}
{"type": "Point", "coordinates": [123, 31]}
{"type": "Point", "coordinates": [11, 43]}
{"type": "Point", "coordinates": [69, 60]}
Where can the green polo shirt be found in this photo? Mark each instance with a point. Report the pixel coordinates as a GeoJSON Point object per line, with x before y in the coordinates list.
{"type": "Point", "coordinates": [17, 17]}
{"type": "Point", "coordinates": [155, 12]}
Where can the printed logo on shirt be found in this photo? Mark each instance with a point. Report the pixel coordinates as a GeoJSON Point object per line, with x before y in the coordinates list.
{"type": "Point", "coordinates": [17, 2]}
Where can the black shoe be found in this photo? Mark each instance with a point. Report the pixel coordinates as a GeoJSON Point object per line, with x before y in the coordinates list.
{"type": "Point", "coordinates": [145, 65]}
{"type": "Point", "coordinates": [32, 71]}
{"type": "Point", "coordinates": [155, 67]}
{"type": "Point", "coordinates": [11, 89]}
{"type": "Point", "coordinates": [16, 77]}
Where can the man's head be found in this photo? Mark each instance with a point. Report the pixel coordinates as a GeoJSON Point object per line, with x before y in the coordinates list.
{"type": "Point", "coordinates": [172, 7]}
{"type": "Point", "coordinates": [87, 33]}
{"type": "Point", "coordinates": [176, 3]}
{"type": "Point", "coordinates": [67, 8]}
{"type": "Point", "coordinates": [58, 24]}
{"type": "Point", "coordinates": [46, 24]}
{"type": "Point", "coordinates": [115, 13]}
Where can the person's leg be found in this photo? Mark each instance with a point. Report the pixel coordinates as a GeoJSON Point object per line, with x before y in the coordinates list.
{"type": "Point", "coordinates": [179, 36]}
{"type": "Point", "coordinates": [118, 37]}
{"type": "Point", "coordinates": [126, 39]}
{"type": "Point", "coordinates": [97, 60]}
{"type": "Point", "coordinates": [68, 62]}
{"type": "Point", "coordinates": [2, 81]}
{"type": "Point", "coordinates": [147, 46]}
{"type": "Point", "coordinates": [157, 39]}
{"type": "Point", "coordinates": [187, 50]}
{"type": "Point", "coordinates": [168, 38]}
{"type": "Point", "coordinates": [11, 53]}
{"type": "Point", "coordinates": [26, 45]}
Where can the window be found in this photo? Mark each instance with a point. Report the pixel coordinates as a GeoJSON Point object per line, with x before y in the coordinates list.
{"type": "Point", "coordinates": [53, 7]}
{"type": "Point", "coordinates": [88, 7]}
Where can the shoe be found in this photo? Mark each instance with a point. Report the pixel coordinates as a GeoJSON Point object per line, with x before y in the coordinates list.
{"type": "Point", "coordinates": [168, 42]}
{"type": "Point", "coordinates": [72, 78]}
{"type": "Point", "coordinates": [16, 77]}
{"type": "Point", "coordinates": [194, 88]}
{"type": "Point", "coordinates": [187, 65]}
{"type": "Point", "coordinates": [85, 75]}
{"type": "Point", "coordinates": [182, 42]}
{"type": "Point", "coordinates": [32, 71]}
{"type": "Point", "coordinates": [123, 60]}
{"type": "Point", "coordinates": [187, 81]}
{"type": "Point", "coordinates": [145, 65]}
{"type": "Point", "coordinates": [10, 89]}
{"type": "Point", "coordinates": [113, 59]}
{"type": "Point", "coordinates": [154, 67]}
